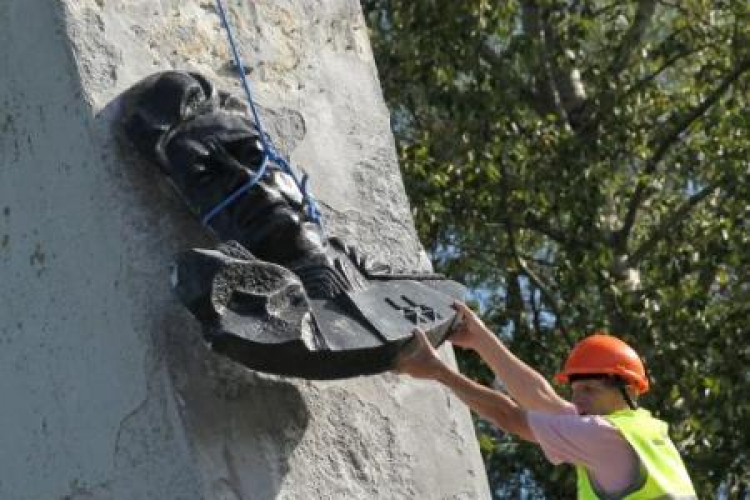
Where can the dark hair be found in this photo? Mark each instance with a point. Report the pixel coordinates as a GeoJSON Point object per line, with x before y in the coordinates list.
{"type": "Point", "coordinates": [611, 380]}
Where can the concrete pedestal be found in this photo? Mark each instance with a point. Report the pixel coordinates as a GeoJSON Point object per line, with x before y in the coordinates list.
{"type": "Point", "coordinates": [107, 388]}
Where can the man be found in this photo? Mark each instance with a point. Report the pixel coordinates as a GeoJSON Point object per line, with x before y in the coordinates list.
{"type": "Point", "coordinates": [619, 451]}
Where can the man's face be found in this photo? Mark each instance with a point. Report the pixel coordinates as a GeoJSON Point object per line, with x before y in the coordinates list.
{"type": "Point", "coordinates": [596, 397]}
{"type": "Point", "coordinates": [268, 219]}
{"type": "Point", "coordinates": [207, 145]}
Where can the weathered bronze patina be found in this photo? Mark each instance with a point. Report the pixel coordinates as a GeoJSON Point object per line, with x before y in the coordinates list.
{"type": "Point", "coordinates": [277, 295]}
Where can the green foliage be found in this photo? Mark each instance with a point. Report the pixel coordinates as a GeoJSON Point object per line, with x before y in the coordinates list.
{"type": "Point", "coordinates": [581, 166]}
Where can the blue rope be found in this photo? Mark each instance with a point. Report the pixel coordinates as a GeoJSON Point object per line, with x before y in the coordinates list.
{"type": "Point", "coordinates": [269, 152]}
{"type": "Point", "coordinates": [238, 192]}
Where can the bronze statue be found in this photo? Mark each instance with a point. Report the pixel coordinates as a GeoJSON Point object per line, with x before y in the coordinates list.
{"type": "Point", "coordinates": [277, 295]}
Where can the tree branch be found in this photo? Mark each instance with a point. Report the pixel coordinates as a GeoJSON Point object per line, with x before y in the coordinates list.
{"type": "Point", "coordinates": [530, 221]}
{"type": "Point", "coordinates": [681, 124]}
{"type": "Point", "coordinates": [546, 294]}
{"type": "Point", "coordinates": [618, 320]}
{"type": "Point", "coordinates": [665, 66]}
{"type": "Point", "coordinates": [560, 90]}
{"type": "Point", "coordinates": [566, 78]}
{"type": "Point", "coordinates": [538, 225]}
{"type": "Point", "coordinates": [483, 250]}
{"type": "Point", "coordinates": [607, 100]}
{"type": "Point", "coordinates": [548, 297]}
{"type": "Point", "coordinates": [665, 227]}
{"type": "Point", "coordinates": [546, 99]}
{"type": "Point", "coordinates": [691, 116]}
{"type": "Point", "coordinates": [535, 312]}
{"type": "Point", "coordinates": [540, 285]}
{"type": "Point", "coordinates": [634, 36]}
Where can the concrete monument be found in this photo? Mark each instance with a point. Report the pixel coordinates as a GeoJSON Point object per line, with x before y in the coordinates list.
{"type": "Point", "coordinates": [108, 389]}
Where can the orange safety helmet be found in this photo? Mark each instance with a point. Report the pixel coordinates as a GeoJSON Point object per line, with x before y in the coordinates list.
{"type": "Point", "coordinates": [607, 355]}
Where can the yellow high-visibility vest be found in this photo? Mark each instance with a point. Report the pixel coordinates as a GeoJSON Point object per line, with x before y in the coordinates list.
{"type": "Point", "coordinates": [664, 474]}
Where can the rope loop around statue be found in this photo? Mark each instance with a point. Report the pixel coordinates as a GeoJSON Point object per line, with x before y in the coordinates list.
{"type": "Point", "coordinates": [271, 158]}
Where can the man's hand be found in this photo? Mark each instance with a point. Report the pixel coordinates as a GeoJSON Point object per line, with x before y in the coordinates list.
{"type": "Point", "coordinates": [470, 328]}
{"type": "Point", "coordinates": [419, 359]}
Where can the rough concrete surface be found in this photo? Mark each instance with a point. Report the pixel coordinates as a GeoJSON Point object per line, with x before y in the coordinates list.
{"type": "Point", "coordinates": [107, 389]}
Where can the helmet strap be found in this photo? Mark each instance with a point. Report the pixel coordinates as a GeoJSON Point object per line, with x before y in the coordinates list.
{"type": "Point", "coordinates": [622, 385]}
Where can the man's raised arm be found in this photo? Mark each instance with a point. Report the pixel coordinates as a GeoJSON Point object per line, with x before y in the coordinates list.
{"type": "Point", "coordinates": [524, 384]}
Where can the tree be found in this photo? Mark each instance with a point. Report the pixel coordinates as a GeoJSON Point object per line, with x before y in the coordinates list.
{"type": "Point", "coordinates": [582, 166]}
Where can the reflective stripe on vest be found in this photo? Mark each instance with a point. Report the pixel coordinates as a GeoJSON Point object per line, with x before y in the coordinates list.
{"type": "Point", "coordinates": [666, 477]}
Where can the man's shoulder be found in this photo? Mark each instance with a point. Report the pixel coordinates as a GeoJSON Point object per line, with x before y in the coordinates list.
{"type": "Point", "coordinates": [574, 433]}
{"type": "Point", "coordinates": [587, 440]}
